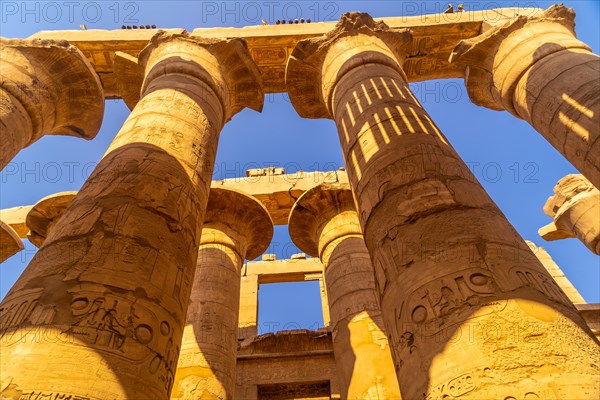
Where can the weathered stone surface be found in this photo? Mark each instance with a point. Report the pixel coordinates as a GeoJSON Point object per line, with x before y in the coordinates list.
{"type": "Point", "coordinates": [535, 68]}
{"type": "Point", "coordinates": [462, 295]}
{"type": "Point", "coordinates": [236, 227]}
{"type": "Point", "coordinates": [575, 209]}
{"type": "Point", "coordinates": [324, 223]}
{"type": "Point", "coordinates": [111, 283]}
{"type": "Point", "coordinates": [47, 87]}
{"type": "Point", "coordinates": [10, 243]}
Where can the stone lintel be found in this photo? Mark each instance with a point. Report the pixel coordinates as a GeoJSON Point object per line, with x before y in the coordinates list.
{"type": "Point", "coordinates": [434, 37]}
{"type": "Point", "coordinates": [280, 271]}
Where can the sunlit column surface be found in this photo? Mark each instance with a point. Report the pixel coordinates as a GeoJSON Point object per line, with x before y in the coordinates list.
{"type": "Point", "coordinates": [575, 210]}
{"type": "Point", "coordinates": [47, 87]}
{"type": "Point", "coordinates": [469, 310]}
{"type": "Point", "coordinates": [100, 310]}
{"type": "Point", "coordinates": [536, 69]}
{"type": "Point", "coordinates": [324, 223]}
{"type": "Point", "coordinates": [236, 227]}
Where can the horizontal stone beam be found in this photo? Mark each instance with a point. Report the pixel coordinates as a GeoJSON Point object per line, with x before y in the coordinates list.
{"type": "Point", "coordinates": [289, 270]}
{"type": "Point", "coordinates": [434, 38]}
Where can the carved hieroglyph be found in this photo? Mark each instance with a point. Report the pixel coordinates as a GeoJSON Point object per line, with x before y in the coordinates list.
{"type": "Point", "coordinates": [324, 223]}
{"type": "Point", "coordinates": [468, 309]}
{"type": "Point", "coordinates": [536, 69]}
{"type": "Point", "coordinates": [575, 209]}
{"type": "Point", "coordinates": [236, 227]}
{"type": "Point", "coordinates": [101, 307]}
{"type": "Point", "coordinates": [47, 87]}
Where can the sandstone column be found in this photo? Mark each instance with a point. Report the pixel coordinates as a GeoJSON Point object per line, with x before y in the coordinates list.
{"type": "Point", "coordinates": [468, 309]}
{"type": "Point", "coordinates": [537, 70]}
{"type": "Point", "coordinates": [236, 227]}
{"type": "Point", "coordinates": [575, 209]}
{"type": "Point", "coordinates": [47, 87]}
{"type": "Point", "coordinates": [324, 223]}
{"type": "Point", "coordinates": [100, 310]}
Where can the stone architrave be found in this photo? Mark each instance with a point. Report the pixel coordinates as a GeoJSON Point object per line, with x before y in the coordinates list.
{"type": "Point", "coordinates": [575, 209]}
{"type": "Point", "coordinates": [324, 223]}
{"type": "Point", "coordinates": [468, 309]}
{"type": "Point", "coordinates": [236, 227]}
{"type": "Point", "coordinates": [536, 69]}
{"type": "Point", "coordinates": [47, 87]}
{"type": "Point", "coordinates": [108, 290]}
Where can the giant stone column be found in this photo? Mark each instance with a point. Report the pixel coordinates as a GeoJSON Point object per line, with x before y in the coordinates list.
{"type": "Point", "coordinates": [324, 223]}
{"type": "Point", "coordinates": [100, 310]}
{"type": "Point", "coordinates": [536, 69]}
{"type": "Point", "coordinates": [236, 227]}
{"type": "Point", "coordinates": [47, 87]}
{"type": "Point", "coordinates": [469, 311]}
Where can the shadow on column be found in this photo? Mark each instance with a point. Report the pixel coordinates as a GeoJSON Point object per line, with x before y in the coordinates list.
{"type": "Point", "coordinates": [467, 306]}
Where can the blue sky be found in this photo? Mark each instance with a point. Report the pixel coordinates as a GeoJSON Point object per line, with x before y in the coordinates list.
{"type": "Point", "coordinates": [514, 163]}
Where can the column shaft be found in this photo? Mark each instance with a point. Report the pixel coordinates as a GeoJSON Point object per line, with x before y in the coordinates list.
{"type": "Point", "coordinates": [324, 222]}
{"type": "Point", "coordinates": [447, 261]}
{"type": "Point", "coordinates": [360, 344]}
{"type": "Point", "coordinates": [206, 367]}
{"type": "Point", "coordinates": [236, 226]}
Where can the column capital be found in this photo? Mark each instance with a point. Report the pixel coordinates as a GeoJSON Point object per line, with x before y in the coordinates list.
{"type": "Point", "coordinates": [496, 60]}
{"type": "Point", "coordinates": [55, 84]}
{"type": "Point", "coordinates": [321, 215]}
{"type": "Point", "coordinates": [316, 65]}
{"type": "Point", "coordinates": [237, 220]}
{"type": "Point", "coordinates": [45, 214]}
{"type": "Point", "coordinates": [225, 65]}
{"type": "Point", "coordinates": [574, 208]}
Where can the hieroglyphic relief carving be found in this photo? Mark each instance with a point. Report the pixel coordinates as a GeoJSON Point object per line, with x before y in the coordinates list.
{"type": "Point", "coordinates": [34, 395]}
{"type": "Point", "coordinates": [127, 328]}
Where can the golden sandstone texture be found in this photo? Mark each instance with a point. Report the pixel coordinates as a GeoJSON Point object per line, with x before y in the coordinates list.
{"type": "Point", "coordinates": [139, 288]}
